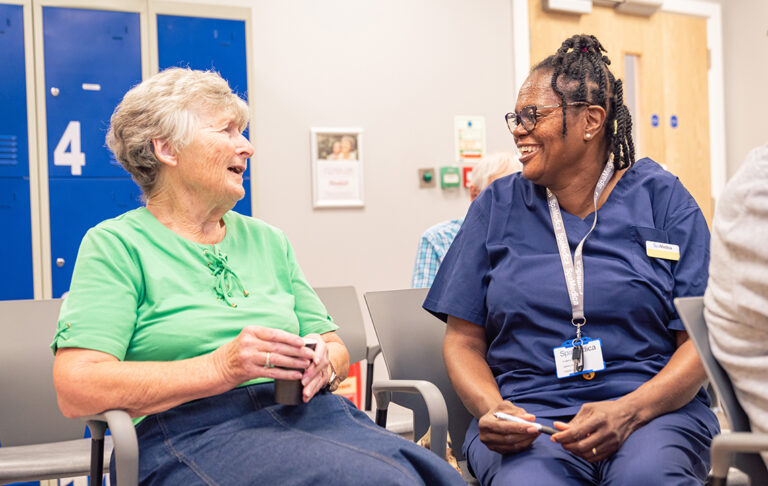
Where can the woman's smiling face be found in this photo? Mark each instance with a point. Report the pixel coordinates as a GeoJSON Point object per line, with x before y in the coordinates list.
{"type": "Point", "coordinates": [547, 156]}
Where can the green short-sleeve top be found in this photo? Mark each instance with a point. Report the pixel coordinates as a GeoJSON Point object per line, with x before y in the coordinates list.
{"type": "Point", "coordinates": [140, 292]}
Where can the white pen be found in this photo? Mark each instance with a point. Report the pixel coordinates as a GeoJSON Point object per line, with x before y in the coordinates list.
{"type": "Point", "coordinates": [513, 418]}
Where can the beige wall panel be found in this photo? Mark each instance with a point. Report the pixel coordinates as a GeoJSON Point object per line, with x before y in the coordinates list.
{"type": "Point", "coordinates": [651, 99]}
{"type": "Point", "coordinates": [685, 95]}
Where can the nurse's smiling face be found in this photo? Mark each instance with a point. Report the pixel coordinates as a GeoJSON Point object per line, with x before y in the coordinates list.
{"type": "Point", "coordinates": [548, 158]}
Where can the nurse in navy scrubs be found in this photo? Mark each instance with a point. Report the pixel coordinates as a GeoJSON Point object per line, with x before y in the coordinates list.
{"type": "Point", "coordinates": [558, 296]}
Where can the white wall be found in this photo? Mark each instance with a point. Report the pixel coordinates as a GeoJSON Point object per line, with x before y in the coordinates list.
{"type": "Point", "coordinates": [745, 49]}
{"type": "Point", "coordinates": [400, 70]}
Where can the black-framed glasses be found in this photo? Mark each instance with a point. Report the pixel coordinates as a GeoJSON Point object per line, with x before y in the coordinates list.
{"type": "Point", "coordinates": [529, 114]}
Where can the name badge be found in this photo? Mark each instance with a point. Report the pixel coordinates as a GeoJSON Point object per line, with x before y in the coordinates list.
{"type": "Point", "coordinates": [667, 251]}
{"type": "Point", "coordinates": [592, 356]}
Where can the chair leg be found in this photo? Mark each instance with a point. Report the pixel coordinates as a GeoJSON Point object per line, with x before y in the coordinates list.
{"type": "Point", "coordinates": [713, 481]}
{"type": "Point", "coordinates": [97, 461]}
{"type": "Point", "coordinates": [368, 384]}
{"type": "Point", "coordinates": [381, 417]}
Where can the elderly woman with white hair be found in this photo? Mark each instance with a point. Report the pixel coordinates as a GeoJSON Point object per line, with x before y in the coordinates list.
{"type": "Point", "coordinates": [492, 167]}
{"type": "Point", "coordinates": [183, 312]}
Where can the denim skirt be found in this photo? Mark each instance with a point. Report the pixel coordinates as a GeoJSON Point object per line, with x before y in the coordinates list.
{"type": "Point", "coordinates": [242, 437]}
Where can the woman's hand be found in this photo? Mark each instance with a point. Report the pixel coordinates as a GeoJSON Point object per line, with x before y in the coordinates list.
{"type": "Point", "coordinates": [317, 374]}
{"type": "Point", "coordinates": [503, 436]}
{"type": "Point", "coordinates": [598, 430]}
{"type": "Point", "coordinates": [262, 352]}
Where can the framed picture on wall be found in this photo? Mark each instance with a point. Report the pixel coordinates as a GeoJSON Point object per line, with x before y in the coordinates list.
{"type": "Point", "coordinates": [337, 167]}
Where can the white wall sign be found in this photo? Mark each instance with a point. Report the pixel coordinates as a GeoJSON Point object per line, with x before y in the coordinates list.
{"type": "Point", "coordinates": [469, 132]}
{"type": "Point", "coordinates": [337, 167]}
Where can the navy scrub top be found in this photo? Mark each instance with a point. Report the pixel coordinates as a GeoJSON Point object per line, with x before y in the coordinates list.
{"type": "Point", "coordinates": [503, 272]}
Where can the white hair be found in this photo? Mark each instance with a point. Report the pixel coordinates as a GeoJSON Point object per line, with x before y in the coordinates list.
{"type": "Point", "coordinates": [166, 106]}
{"type": "Point", "coordinates": [494, 166]}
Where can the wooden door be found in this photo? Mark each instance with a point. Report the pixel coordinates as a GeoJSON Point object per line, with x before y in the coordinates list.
{"type": "Point", "coordinates": [671, 81]}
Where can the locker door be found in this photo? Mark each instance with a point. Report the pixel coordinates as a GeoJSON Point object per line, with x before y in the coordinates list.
{"type": "Point", "coordinates": [91, 59]}
{"type": "Point", "coordinates": [204, 43]}
{"type": "Point", "coordinates": [103, 198]}
{"type": "Point", "coordinates": [14, 159]}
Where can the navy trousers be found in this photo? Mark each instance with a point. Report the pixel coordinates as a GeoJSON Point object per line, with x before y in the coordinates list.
{"type": "Point", "coordinates": [242, 437]}
{"type": "Point", "coordinates": [671, 449]}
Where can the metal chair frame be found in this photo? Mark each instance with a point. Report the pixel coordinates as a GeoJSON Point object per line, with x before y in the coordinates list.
{"type": "Point", "coordinates": [411, 342]}
{"type": "Point", "coordinates": [38, 442]}
{"type": "Point", "coordinates": [741, 446]}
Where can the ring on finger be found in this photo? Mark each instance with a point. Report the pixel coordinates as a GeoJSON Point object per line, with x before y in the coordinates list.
{"type": "Point", "coordinates": [267, 364]}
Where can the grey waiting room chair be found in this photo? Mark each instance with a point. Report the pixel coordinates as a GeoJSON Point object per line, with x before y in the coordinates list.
{"type": "Point", "coordinates": [411, 342]}
{"type": "Point", "coordinates": [36, 441]}
{"type": "Point", "coordinates": [344, 307]}
{"type": "Point", "coordinates": [740, 447]}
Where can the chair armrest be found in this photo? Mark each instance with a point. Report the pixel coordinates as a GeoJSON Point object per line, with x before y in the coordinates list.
{"type": "Point", "coordinates": [437, 411]}
{"type": "Point", "coordinates": [125, 443]}
{"type": "Point", "coordinates": [724, 444]}
{"type": "Point", "coordinates": [371, 352]}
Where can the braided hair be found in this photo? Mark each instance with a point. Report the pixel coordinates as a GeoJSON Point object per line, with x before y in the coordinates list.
{"type": "Point", "coordinates": [584, 69]}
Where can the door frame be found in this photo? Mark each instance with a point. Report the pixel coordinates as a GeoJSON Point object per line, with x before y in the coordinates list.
{"type": "Point", "coordinates": [34, 198]}
{"type": "Point", "coordinates": [521, 50]}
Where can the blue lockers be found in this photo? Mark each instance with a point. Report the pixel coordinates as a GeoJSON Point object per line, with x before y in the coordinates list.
{"type": "Point", "coordinates": [17, 281]}
{"type": "Point", "coordinates": [91, 57]}
{"type": "Point", "coordinates": [205, 43]}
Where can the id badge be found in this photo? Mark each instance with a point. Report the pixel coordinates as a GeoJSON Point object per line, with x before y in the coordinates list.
{"type": "Point", "coordinates": [592, 356]}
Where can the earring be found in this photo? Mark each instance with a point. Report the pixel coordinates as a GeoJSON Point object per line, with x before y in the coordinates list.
{"type": "Point", "coordinates": [588, 136]}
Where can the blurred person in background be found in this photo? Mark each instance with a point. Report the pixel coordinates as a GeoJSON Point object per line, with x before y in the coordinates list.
{"type": "Point", "coordinates": [435, 241]}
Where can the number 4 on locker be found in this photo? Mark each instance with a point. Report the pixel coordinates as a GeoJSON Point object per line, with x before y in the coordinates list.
{"type": "Point", "coordinates": [75, 159]}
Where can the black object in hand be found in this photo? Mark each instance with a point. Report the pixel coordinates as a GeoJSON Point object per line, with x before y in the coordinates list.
{"type": "Point", "coordinates": [289, 392]}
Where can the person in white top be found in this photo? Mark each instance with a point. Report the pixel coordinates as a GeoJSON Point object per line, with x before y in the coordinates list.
{"type": "Point", "coordinates": [736, 300]}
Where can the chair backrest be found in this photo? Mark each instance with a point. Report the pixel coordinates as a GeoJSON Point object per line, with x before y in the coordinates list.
{"type": "Point", "coordinates": [411, 341]}
{"type": "Point", "coordinates": [344, 308]}
{"type": "Point", "coordinates": [29, 413]}
{"type": "Point", "coordinates": [691, 311]}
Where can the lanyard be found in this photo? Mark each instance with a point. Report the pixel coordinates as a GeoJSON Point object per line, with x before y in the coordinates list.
{"type": "Point", "coordinates": [574, 273]}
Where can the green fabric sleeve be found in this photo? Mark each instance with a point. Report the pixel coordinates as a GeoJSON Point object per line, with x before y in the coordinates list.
{"type": "Point", "coordinates": [312, 314]}
{"type": "Point", "coordinates": [99, 313]}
